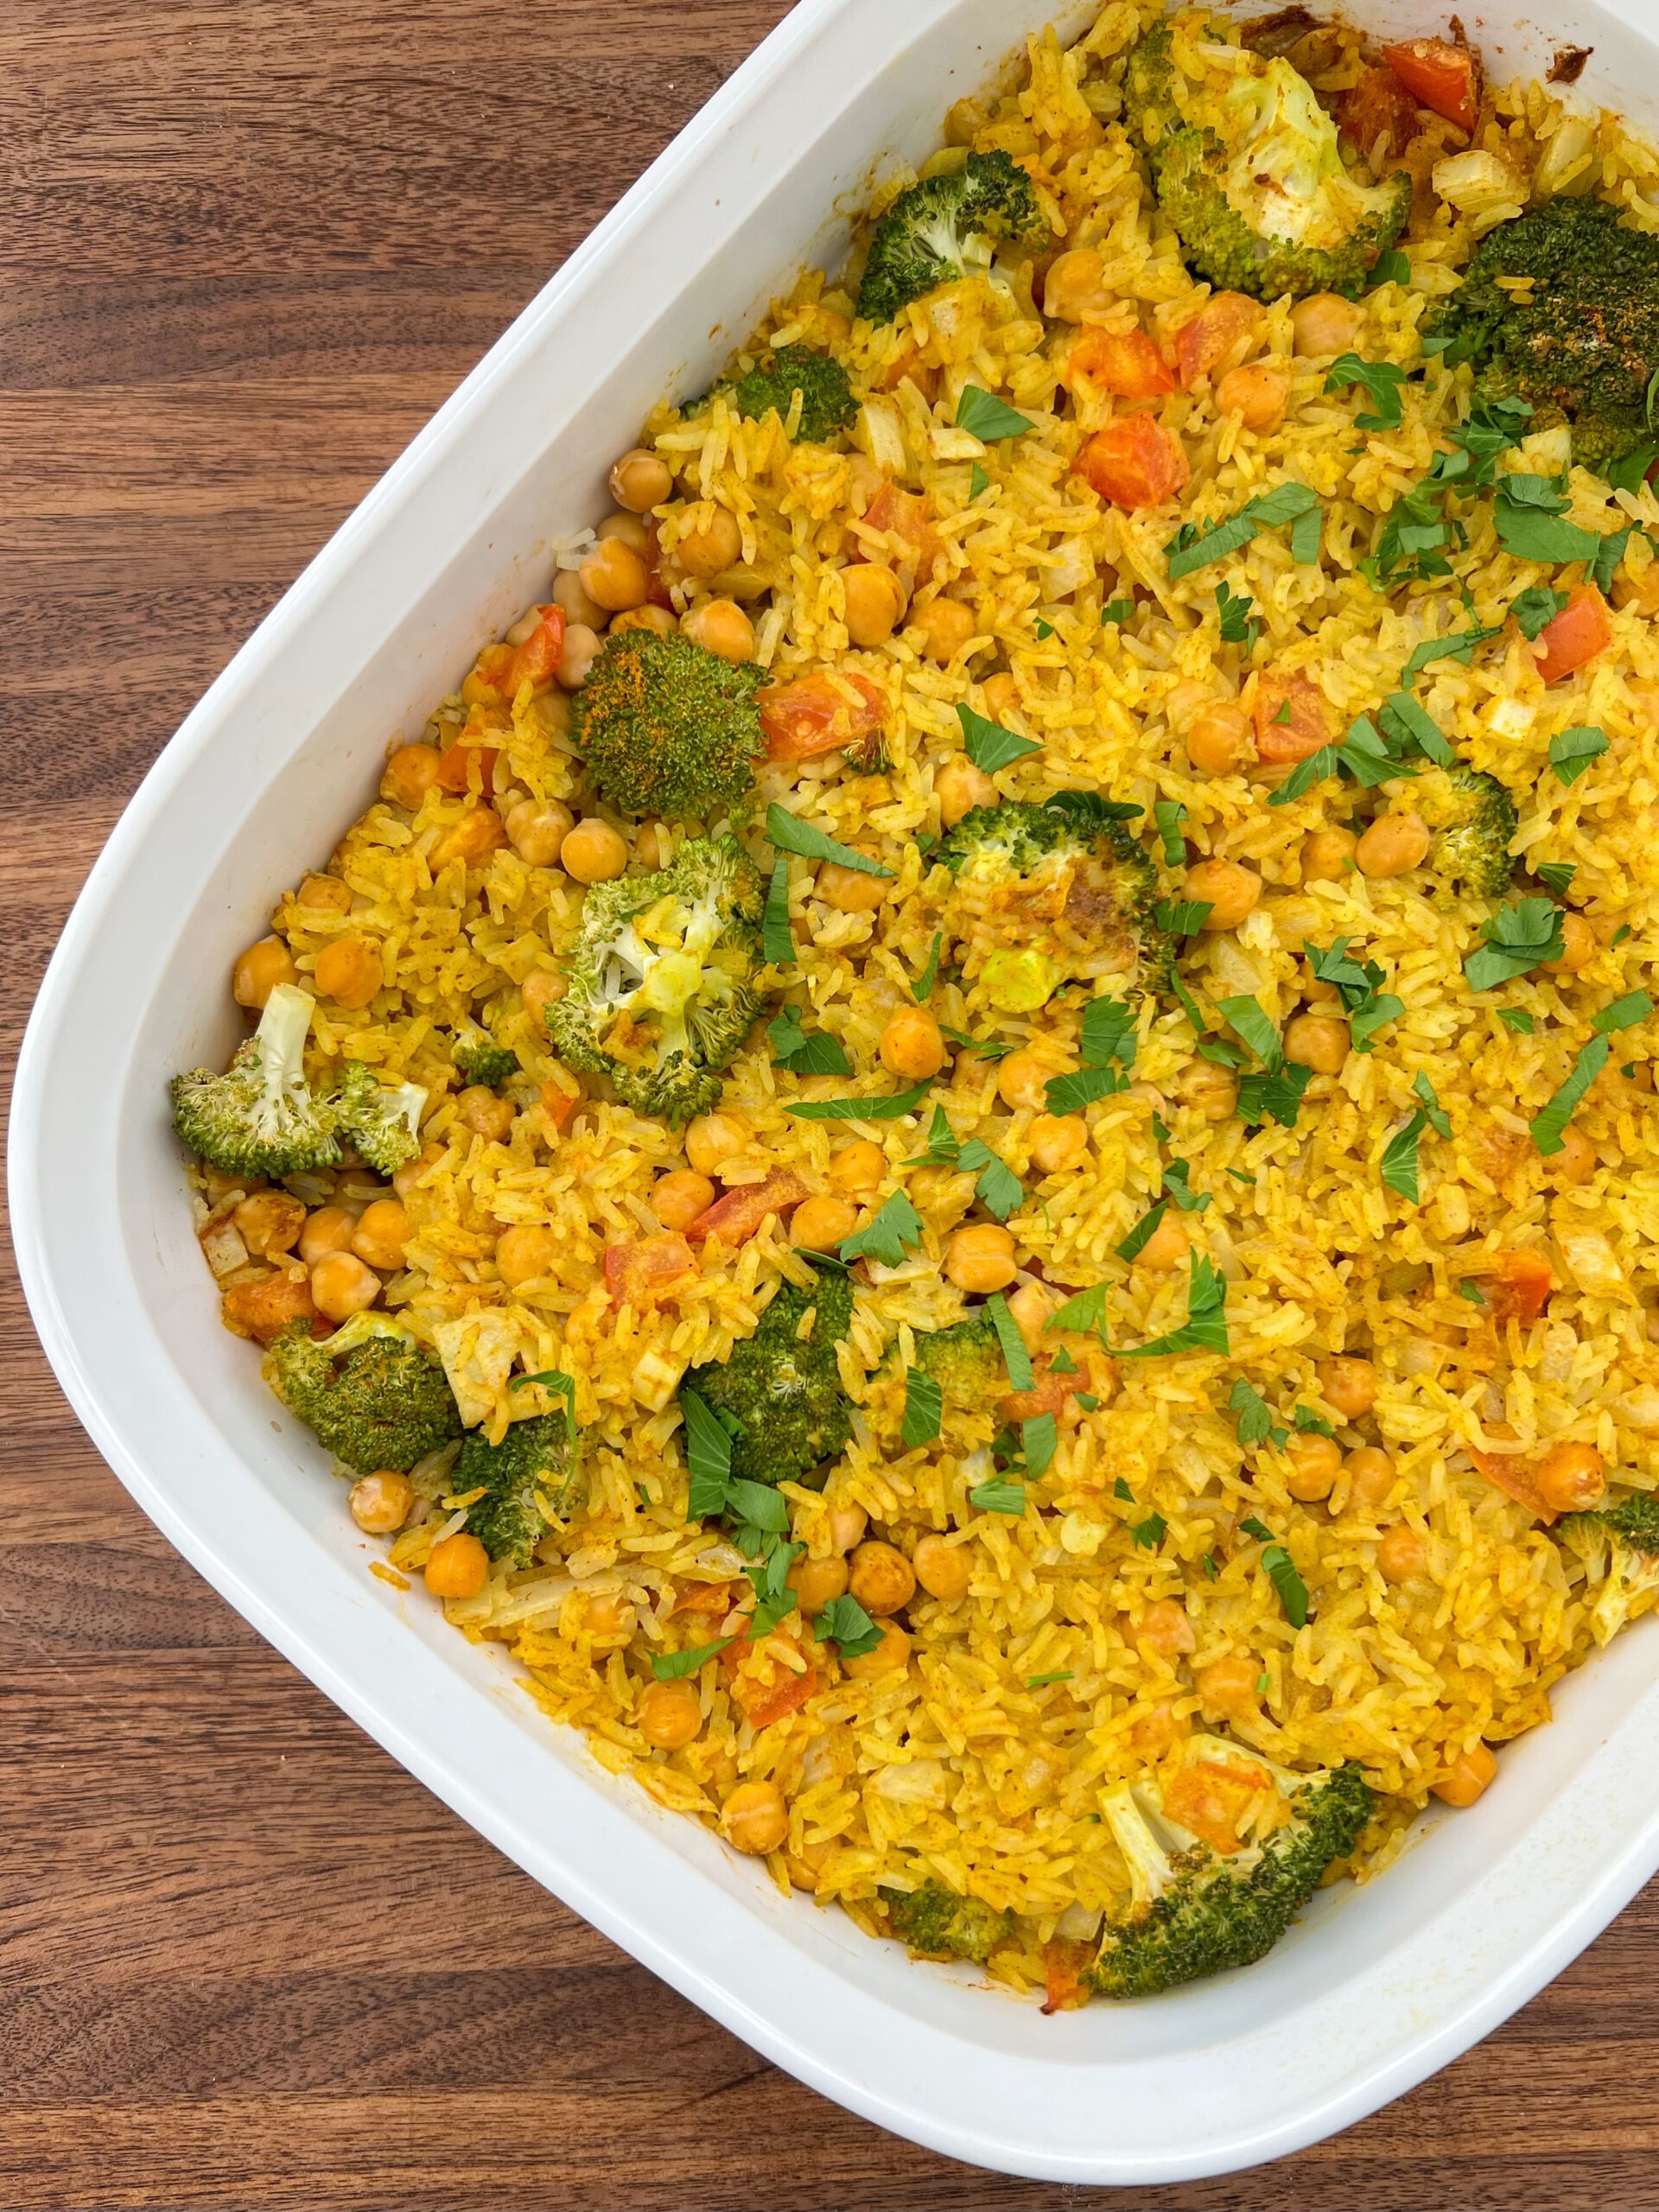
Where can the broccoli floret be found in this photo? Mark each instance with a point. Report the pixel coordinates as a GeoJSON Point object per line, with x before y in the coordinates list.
{"type": "Point", "coordinates": [480, 1059]}
{"type": "Point", "coordinates": [827, 401]}
{"type": "Point", "coordinates": [966, 1362]}
{"type": "Point", "coordinates": [668, 727]}
{"type": "Point", "coordinates": [779, 1393]}
{"type": "Point", "coordinates": [936, 231]}
{"type": "Point", "coordinates": [371, 1393]}
{"type": "Point", "coordinates": [939, 1924]}
{"type": "Point", "coordinates": [534, 1455]}
{"type": "Point", "coordinates": [1619, 1547]}
{"type": "Point", "coordinates": [1582, 345]}
{"type": "Point", "coordinates": [383, 1119]}
{"type": "Point", "coordinates": [1064, 883]}
{"type": "Point", "coordinates": [660, 980]}
{"type": "Point", "coordinates": [1473, 818]}
{"type": "Point", "coordinates": [1199, 1911]}
{"type": "Point", "coordinates": [259, 1118]}
{"type": "Point", "coordinates": [1246, 166]}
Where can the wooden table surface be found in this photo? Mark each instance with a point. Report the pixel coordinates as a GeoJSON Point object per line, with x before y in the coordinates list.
{"type": "Point", "coordinates": [247, 247]}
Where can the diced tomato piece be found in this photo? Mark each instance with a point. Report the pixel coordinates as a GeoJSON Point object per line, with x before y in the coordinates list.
{"type": "Point", "coordinates": [712, 1598]}
{"type": "Point", "coordinates": [540, 654]}
{"type": "Point", "coordinates": [762, 1687]}
{"type": "Point", "coordinates": [1125, 363]}
{"type": "Point", "coordinates": [1134, 462]}
{"type": "Point", "coordinates": [657, 591]}
{"type": "Point", "coordinates": [1378, 107]}
{"type": "Point", "coordinates": [907, 516]}
{"type": "Point", "coordinates": [456, 771]}
{"type": "Point", "coordinates": [1510, 1472]}
{"type": "Point", "coordinates": [654, 1267]}
{"type": "Point", "coordinates": [558, 1105]}
{"type": "Point", "coordinates": [1212, 333]}
{"type": "Point", "coordinates": [1578, 633]}
{"type": "Point", "coordinates": [735, 1216]}
{"type": "Point", "coordinates": [1062, 1984]}
{"type": "Point", "coordinates": [1439, 76]}
{"type": "Point", "coordinates": [487, 680]}
{"type": "Point", "coordinates": [1048, 1395]}
{"type": "Point", "coordinates": [264, 1310]}
{"type": "Point", "coordinates": [1212, 1798]}
{"type": "Point", "coordinates": [1516, 1286]}
{"type": "Point", "coordinates": [814, 715]}
{"type": "Point", "coordinates": [1292, 719]}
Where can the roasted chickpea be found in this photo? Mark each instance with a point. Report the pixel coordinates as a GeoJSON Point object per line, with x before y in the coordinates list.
{"type": "Point", "coordinates": [1325, 323]}
{"type": "Point", "coordinates": [409, 773]}
{"type": "Point", "coordinates": [960, 787]}
{"type": "Point", "coordinates": [1328, 855]}
{"type": "Point", "coordinates": [680, 1196]}
{"type": "Point", "coordinates": [1227, 1689]}
{"type": "Point", "coordinates": [712, 1140]}
{"type": "Point", "coordinates": [342, 1285]}
{"type": "Point", "coordinates": [660, 619]}
{"type": "Point", "coordinates": [539, 990]}
{"type": "Point", "coordinates": [330, 1228]}
{"type": "Point", "coordinates": [458, 1566]}
{"type": "Point", "coordinates": [848, 1522]}
{"type": "Point", "coordinates": [478, 1108]}
{"type": "Point", "coordinates": [614, 576]}
{"type": "Point", "coordinates": [526, 1252]}
{"type": "Point", "coordinates": [1218, 742]}
{"type": "Point", "coordinates": [710, 546]}
{"type": "Point", "coordinates": [382, 1233]}
{"type": "Point", "coordinates": [350, 971]}
{"type": "Point", "coordinates": [1576, 1161]}
{"type": "Point", "coordinates": [1058, 1142]}
{"type": "Point", "coordinates": [859, 1168]}
{"type": "Point", "coordinates": [669, 1715]}
{"type": "Point", "coordinates": [874, 601]}
{"type": "Point", "coordinates": [1229, 891]}
{"type": "Point", "coordinates": [580, 650]}
{"type": "Point", "coordinates": [880, 1577]}
{"type": "Point", "coordinates": [1468, 1776]}
{"type": "Point", "coordinates": [1166, 1248]}
{"type": "Point", "coordinates": [1348, 1385]}
{"type": "Point", "coordinates": [821, 1223]}
{"type": "Point", "coordinates": [890, 1656]}
{"type": "Point", "coordinates": [1256, 395]}
{"type": "Point", "coordinates": [640, 481]}
{"type": "Point", "coordinates": [944, 626]}
{"type": "Point", "coordinates": [1314, 1463]}
{"type": "Point", "coordinates": [943, 1569]}
{"type": "Point", "coordinates": [594, 852]}
{"type": "Point", "coordinates": [259, 970]}
{"type": "Point", "coordinates": [1578, 946]}
{"type": "Point", "coordinates": [849, 890]}
{"type": "Point", "coordinates": [1371, 1477]}
{"type": "Point", "coordinates": [536, 830]}
{"type": "Point", "coordinates": [719, 625]}
{"type": "Point", "coordinates": [912, 1045]}
{"type": "Point", "coordinates": [1572, 1477]}
{"type": "Point", "coordinates": [1401, 1554]}
{"type": "Point", "coordinates": [1002, 695]}
{"type": "Point", "coordinates": [326, 894]}
{"type": "Point", "coordinates": [817, 1582]}
{"type": "Point", "coordinates": [979, 1259]}
{"type": "Point", "coordinates": [1021, 1080]}
{"type": "Point", "coordinates": [1073, 287]}
{"type": "Point", "coordinates": [1166, 1630]}
{"type": "Point", "coordinates": [754, 1819]}
{"type": "Point", "coordinates": [1393, 845]}
{"type": "Point", "coordinates": [1208, 1089]}
{"type": "Point", "coordinates": [580, 611]}
{"type": "Point", "coordinates": [380, 1504]}
{"type": "Point", "coordinates": [270, 1221]}
{"type": "Point", "coordinates": [1317, 1041]}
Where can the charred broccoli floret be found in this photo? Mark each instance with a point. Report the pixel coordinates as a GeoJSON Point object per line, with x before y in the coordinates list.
{"type": "Point", "coordinates": [1581, 345]}
{"type": "Point", "coordinates": [1471, 818]}
{"type": "Point", "coordinates": [827, 401]}
{"type": "Point", "coordinates": [943, 227]}
{"type": "Point", "coordinates": [966, 1362]}
{"type": "Point", "coordinates": [1619, 1547]}
{"type": "Point", "coordinates": [480, 1059]}
{"type": "Point", "coordinates": [373, 1396]}
{"type": "Point", "coordinates": [939, 1924]}
{"type": "Point", "coordinates": [259, 1118]}
{"type": "Point", "coordinates": [660, 980]}
{"type": "Point", "coordinates": [1065, 890]}
{"type": "Point", "coordinates": [537, 1455]}
{"type": "Point", "coordinates": [1197, 1910]}
{"type": "Point", "coordinates": [383, 1119]}
{"type": "Point", "coordinates": [668, 727]}
{"type": "Point", "coordinates": [1246, 166]}
{"type": "Point", "coordinates": [779, 1393]}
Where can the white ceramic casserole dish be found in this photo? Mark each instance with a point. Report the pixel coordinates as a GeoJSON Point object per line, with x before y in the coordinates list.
{"type": "Point", "coordinates": [1377, 1987]}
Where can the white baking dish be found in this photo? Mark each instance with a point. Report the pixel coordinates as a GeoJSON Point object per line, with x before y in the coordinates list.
{"type": "Point", "coordinates": [1378, 1986]}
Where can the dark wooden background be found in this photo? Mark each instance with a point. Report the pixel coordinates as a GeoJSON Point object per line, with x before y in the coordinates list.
{"type": "Point", "coordinates": [246, 247]}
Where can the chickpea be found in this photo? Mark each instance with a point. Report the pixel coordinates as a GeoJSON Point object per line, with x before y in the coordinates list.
{"type": "Point", "coordinates": [805, 1867]}
{"type": "Point", "coordinates": [1325, 323]}
{"type": "Point", "coordinates": [1314, 1463]}
{"type": "Point", "coordinates": [631, 532]}
{"type": "Point", "coordinates": [642, 618]}
{"type": "Point", "coordinates": [669, 1715]}
{"type": "Point", "coordinates": [874, 601]}
{"type": "Point", "coordinates": [477, 835]}
{"type": "Point", "coordinates": [719, 625]}
{"type": "Point", "coordinates": [1166, 1248]}
{"type": "Point", "coordinates": [890, 1656]}
{"type": "Point", "coordinates": [754, 1819]}
{"type": "Point", "coordinates": [960, 787]}
{"type": "Point", "coordinates": [326, 894]}
{"type": "Point", "coordinates": [259, 970]}
{"type": "Point", "coordinates": [641, 480]}
{"type": "Point", "coordinates": [946, 626]}
{"type": "Point", "coordinates": [341, 1285]}
{"type": "Point", "coordinates": [980, 1259]}
{"type": "Point", "coordinates": [1327, 855]}
{"type": "Point", "coordinates": [912, 1045]}
{"type": "Point", "coordinates": [1166, 1630]}
{"type": "Point", "coordinates": [1219, 741]}
{"type": "Point", "coordinates": [849, 890]}
{"type": "Point", "coordinates": [1258, 396]}
{"type": "Point", "coordinates": [859, 1168]}
{"type": "Point", "coordinates": [1002, 695]}
{"type": "Point", "coordinates": [1468, 1776]}
{"type": "Point", "coordinates": [526, 1252]}
{"type": "Point", "coordinates": [1572, 1477]}
{"type": "Point", "coordinates": [539, 989]}
{"type": "Point", "coordinates": [817, 1582]}
{"type": "Point", "coordinates": [1074, 285]}
{"type": "Point", "coordinates": [380, 1504]}
{"type": "Point", "coordinates": [407, 1179]}
{"type": "Point", "coordinates": [579, 609]}
{"type": "Point", "coordinates": [713, 1139]}
{"type": "Point", "coordinates": [821, 1223]}
{"type": "Point", "coordinates": [594, 852]}
{"type": "Point", "coordinates": [1209, 1090]}
{"type": "Point", "coordinates": [680, 1196]}
{"type": "Point", "coordinates": [1401, 1554]}
{"type": "Point", "coordinates": [1158, 1730]}
{"type": "Point", "coordinates": [408, 774]}
{"type": "Point", "coordinates": [457, 1567]}
{"type": "Point", "coordinates": [536, 830]}
{"type": "Point", "coordinates": [1226, 1688]}
{"type": "Point", "coordinates": [1029, 1309]}
{"type": "Point", "coordinates": [1579, 947]}
{"type": "Point", "coordinates": [704, 551]}
{"type": "Point", "coordinates": [880, 1577]}
{"type": "Point", "coordinates": [1394, 845]}
{"type": "Point", "coordinates": [1229, 891]}
{"type": "Point", "coordinates": [1371, 1477]}
{"type": "Point", "coordinates": [330, 1228]}
{"type": "Point", "coordinates": [1058, 1142]}
{"type": "Point", "coordinates": [1318, 1041]}
{"type": "Point", "coordinates": [1021, 1080]}
{"type": "Point", "coordinates": [1348, 1385]}
{"type": "Point", "coordinates": [485, 1114]}
{"type": "Point", "coordinates": [580, 649]}
{"type": "Point", "coordinates": [270, 1221]}
{"type": "Point", "coordinates": [608, 1615]}
{"type": "Point", "coordinates": [614, 576]}
{"type": "Point", "coordinates": [653, 844]}
{"type": "Point", "coordinates": [382, 1233]}
{"type": "Point", "coordinates": [943, 1569]}
{"type": "Point", "coordinates": [350, 971]}
{"type": "Point", "coordinates": [1576, 1161]}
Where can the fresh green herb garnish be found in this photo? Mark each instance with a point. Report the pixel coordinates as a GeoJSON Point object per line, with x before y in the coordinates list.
{"type": "Point", "coordinates": [1305, 533]}
{"type": "Point", "coordinates": [1141, 1235]}
{"type": "Point", "coordinates": [674, 1666]}
{"type": "Point", "coordinates": [791, 835]}
{"type": "Point", "coordinates": [553, 1378]}
{"type": "Point", "coordinates": [888, 1108]}
{"type": "Point", "coordinates": [1532, 608]}
{"type": "Point", "coordinates": [896, 1229]}
{"type": "Point", "coordinates": [1517, 1018]}
{"type": "Point", "coordinates": [1238, 622]}
{"type": "Point", "coordinates": [982, 414]}
{"type": "Point", "coordinates": [924, 985]}
{"type": "Point", "coordinates": [1244, 1015]}
{"type": "Point", "coordinates": [1040, 1440]}
{"type": "Point", "coordinates": [1083, 1311]}
{"type": "Point", "coordinates": [1635, 1006]}
{"type": "Point", "coordinates": [923, 1408]}
{"type": "Point", "coordinates": [988, 745]}
{"type": "Point", "coordinates": [777, 939]}
{"type": "Point", "coordinates": [1364, 754]}
{"type": "Point", "coordinates": [1472, 1291]}
{"type": "Point", "coordinates": [1148, 1534]}
{"type": "Point", "coordinates": [1255, 1423]}
{"type": "Point", "coordinates": [1192, 549]}
{"type": "Point", "coordinates": [1529, 513]}
{"type": "Point", "coordinates": [1308, 1423]}
{"type": "Point", "coordinates": [845, 1623]}
{"type": "Point", "coordinates": [802, 1052]}
{"type": "Point", "coordinates": [1168, 814]}
{"type": "Point", "coordinates": [1205, 1327]}
{"type": "Point", "coordinates": [1120, 1489]}
{"type": "Point", "coordinates": [1116, 610]}
{"type": "Point", "coordinates": [1264, 1097]}
{"type": "Point", "coordinates": [1571, 750]}
{"type": "Point", "coordinates": [1000, 1498]}
{"type": "Point", "coordinates": [1015, 1357]}
{"type": "Point", "coordinates": [977, 482]}
{"type": "Point", "coordinates": [1519, 938]}
{"type": "Point", "coordinates": [1041, 1682]}
{"type": "Point", "coordinates": [1382, 379]}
